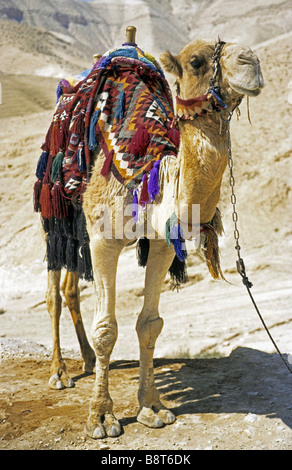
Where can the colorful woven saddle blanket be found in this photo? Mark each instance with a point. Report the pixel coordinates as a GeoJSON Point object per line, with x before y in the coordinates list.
{"type": "Point", "coordinates": [122, 106]}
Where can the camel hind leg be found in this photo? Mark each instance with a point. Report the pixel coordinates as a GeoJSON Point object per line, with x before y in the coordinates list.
{"type": "Point", "coordinates": [149, 325]}
{"type": "Point", "coordinates": [58, 378]}
{"type": "Point", "coordinates": [72, 295]}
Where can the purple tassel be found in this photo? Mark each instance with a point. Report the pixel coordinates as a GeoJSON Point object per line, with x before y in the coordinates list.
{"type": "Point", "coordinates": [135, 206]}
{"type": "Point", "coordinates": [60, 89]}
{"type": "Point", "coordinates": [153, 183]}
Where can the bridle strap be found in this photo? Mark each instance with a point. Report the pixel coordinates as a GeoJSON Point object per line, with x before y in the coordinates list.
{"type": "Point", "coordinates": [213, 82]}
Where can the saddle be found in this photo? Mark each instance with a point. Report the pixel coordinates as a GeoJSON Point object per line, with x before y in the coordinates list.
{"type": "Point", "coordinates": [123, 106]}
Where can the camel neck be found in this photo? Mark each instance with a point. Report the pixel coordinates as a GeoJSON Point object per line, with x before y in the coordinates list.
{"type": "Point", "coordinates": [202, 160]}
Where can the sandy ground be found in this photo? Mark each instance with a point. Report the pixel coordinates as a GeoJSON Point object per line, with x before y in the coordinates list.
{"type": "Point", "coordinates": [215, 366]}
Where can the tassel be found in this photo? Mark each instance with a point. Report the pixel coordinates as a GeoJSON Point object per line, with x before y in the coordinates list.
{"type": "Point", "coordinates": [71, 254]}
{"type": "Point", "coordinates": [57, 166]}
{"type": "Point", "coordinates": [56, 245]}
{"type": "Point", "coordinates": [178, 272]}
{"type": "Point", "coordinates": [174, 235]}
{"type": "Point", "coordinates": [179, 243]}
{"type": "Point", "coordinates": [135, 206]}
{"type": "Point", "coordinates": [59, 202]}
{"type": "Point", "coordinates": [64, 134]}
{"type": "Point", "coordinates": [144, 197]}
{"type": "Point", "coordinates": [46, 201]}
{"type": "Point", "coordinates": [55, 139]}
{"type": "Point", "coordinates": [84, 263]}
{"type": "Point", "coordinates": [81, 163]}
{"type": "Point", "coordinates": [42, 165]}
{"type": "Point", "coordinates": [92, 142]}
{"type": "Point", "coordinates": [153, 183]}
{"type": "Point", "coordinates": [121, 106]}
{"type": "Point", "coordinates": [107, 163]}
{"type": "Point", "coordinates": [79, 124]}
{"type": "Point", "coordinates": [139, 143]}
{"type": "Point", "coordinates": [169, 228]}
{"type": "Point", "coordinates": [142, 251]}
{"type": "Point", "coordinates": [36, 195]}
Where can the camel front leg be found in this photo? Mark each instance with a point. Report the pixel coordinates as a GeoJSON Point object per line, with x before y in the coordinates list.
{"type": "Point", "coordinates": [59, 378]}
{"type": "Point", "coordinates": [149, 325]}
{"type": "Point", "coordinates": [105, 254]}
{"type": "Point", "coordinates": [72, 295]}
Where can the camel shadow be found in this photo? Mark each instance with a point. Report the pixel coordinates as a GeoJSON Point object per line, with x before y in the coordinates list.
{"type": "Point", "coordinates": [247, 381]}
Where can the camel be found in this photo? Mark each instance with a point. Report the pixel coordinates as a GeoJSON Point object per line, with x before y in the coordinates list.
{"type": "Point", "coordinates": [193, 178]}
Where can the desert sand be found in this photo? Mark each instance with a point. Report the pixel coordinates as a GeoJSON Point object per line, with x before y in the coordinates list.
{"type": "Point", "coordinates": [219, 373]}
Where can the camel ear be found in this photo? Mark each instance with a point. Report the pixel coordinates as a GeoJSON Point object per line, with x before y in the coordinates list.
{"type": "Point", "coordinates": [171, 64]}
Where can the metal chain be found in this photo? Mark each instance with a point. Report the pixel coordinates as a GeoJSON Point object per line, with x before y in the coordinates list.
{"type": "Point", "coordinates": [226, 116]}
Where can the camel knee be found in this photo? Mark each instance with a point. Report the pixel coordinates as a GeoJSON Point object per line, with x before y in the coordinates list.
{"type": "Point", "coordinates": [148, 331]}
{"type": "Point", "coordinates": [104, 336]}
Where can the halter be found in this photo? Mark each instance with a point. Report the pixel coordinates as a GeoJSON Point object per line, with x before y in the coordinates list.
{"type": "Point", "coordinates": [211, 101]}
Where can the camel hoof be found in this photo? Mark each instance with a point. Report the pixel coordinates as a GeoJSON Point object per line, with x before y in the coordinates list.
{"type": "Point", "coordinates": [96, 432]}
{"type": "Point", "coordinates": [167, 416]}
{"type": "Point", "coordinates": [149, 418]}
{"type": "Point", "coordinates": [110, 427]}
{"type": "Point", "coordinates": [56, 383]}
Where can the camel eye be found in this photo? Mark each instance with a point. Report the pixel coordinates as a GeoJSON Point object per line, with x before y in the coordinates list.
{"type": "Point", "coordinates": [197, 62]}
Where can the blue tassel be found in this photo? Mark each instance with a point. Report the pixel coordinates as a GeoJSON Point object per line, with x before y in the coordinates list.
{"type": "Point", "coordinates": [92, 141]}
{"type": "Point", "coordinates": [121, 106]}
{"type": "Point", "coordinates": [179, 243]}
{"type": "Point", "coordinates": [174, 235]}
{"type": "Point", "coordinates": [135, 206]}
{"type": "Point", "coordinates": [42, 165]}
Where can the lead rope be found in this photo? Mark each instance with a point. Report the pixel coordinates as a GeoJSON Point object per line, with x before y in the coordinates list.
{"type": "Point", "coordinates": [239, 262]}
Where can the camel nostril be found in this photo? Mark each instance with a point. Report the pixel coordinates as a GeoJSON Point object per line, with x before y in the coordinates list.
{"type": "Point", "coordinates": [243, 59]}
{"type": "Point", "coordinates": [247, 58]}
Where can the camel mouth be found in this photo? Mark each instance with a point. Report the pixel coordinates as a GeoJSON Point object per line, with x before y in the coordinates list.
{"type": "Point", "coordinates": [246, 91]}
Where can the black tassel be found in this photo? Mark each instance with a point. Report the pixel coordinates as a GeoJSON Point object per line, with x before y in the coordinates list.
{"type": "Point", "coordinates": [84, 263]}
{"type": "Point", "coordinates": [142, 251]}
{"type": "Point", "coordinates": [178, 272]}
{"type": "Point", "coordinates": [71, 254]}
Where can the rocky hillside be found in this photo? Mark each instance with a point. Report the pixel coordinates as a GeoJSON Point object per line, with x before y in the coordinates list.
{"type": "Point", "coordinates": [53, 37]}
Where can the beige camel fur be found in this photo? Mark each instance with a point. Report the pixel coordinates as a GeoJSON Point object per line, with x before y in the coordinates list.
{"type": "Point", "coordinates": [193, 178]}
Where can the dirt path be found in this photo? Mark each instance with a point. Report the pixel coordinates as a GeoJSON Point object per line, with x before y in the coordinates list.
{"type": "Point", "coordinates": [238, 402]}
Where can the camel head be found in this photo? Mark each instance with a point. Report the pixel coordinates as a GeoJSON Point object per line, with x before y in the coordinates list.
{"type": "Point", "coordinates": [237, 70]}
